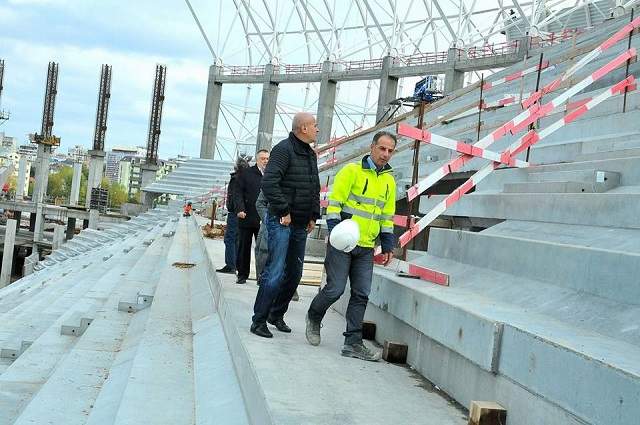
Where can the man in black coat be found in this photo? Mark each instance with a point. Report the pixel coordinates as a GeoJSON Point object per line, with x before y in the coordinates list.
{"type": "Point", "coordinates": [292, 188]}
{"type": "Point", "coordinates": [245, 196]}
{"type": "Point", "coordinates": [231, 232]}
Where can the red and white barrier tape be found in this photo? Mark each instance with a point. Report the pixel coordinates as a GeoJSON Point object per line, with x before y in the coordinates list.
{"type": "Point", "coordinates": [529, 139]}
{"type": "Point", "coordinates": [491, 84]}
{"type": "Point", "coordinates": [421, 272]}
{"type": "Point", "coordinates": [517, 124]}
{"type": "Point", "coordinates": [426, 136]}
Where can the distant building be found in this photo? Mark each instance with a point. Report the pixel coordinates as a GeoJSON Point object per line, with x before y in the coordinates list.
{"type": "Point", "coordinates": [115, 155]}
{"type": "Point", "coordinates": [30, 151]}
{"type": "Point", "coordinates": [130, 172]}
{"type": "Point", "coordinates": [8, 144]}
{"type": "Point", "coordinates": [78, 153]}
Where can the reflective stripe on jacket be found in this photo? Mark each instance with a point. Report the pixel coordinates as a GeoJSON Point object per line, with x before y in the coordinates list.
{"type": "Point", "coordinates": [368, 196]}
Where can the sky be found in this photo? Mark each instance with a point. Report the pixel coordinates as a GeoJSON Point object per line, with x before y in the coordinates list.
{"type": "Point", "coordinates": [82, 35]}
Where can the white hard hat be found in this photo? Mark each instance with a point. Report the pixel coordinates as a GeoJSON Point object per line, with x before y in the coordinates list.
{"type": "Point", "coordinates": [345, 236]}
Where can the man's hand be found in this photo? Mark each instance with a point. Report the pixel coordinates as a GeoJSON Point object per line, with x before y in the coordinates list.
{"type": "Point", "coordinates": [386, 258]}
{"type": "Point", "coordinates": [311, 226]}
{"type": "Point", "coordinates": [285, 220]}
{"type": "Point", "coordinates": [242, 214]}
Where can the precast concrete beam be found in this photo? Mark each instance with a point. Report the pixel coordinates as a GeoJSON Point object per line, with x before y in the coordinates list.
{"type": "Point", "coordinates": [42, 173]}
{"type": "Point", "coordinates": [326, 104]}
{"type": "Point", "coordinates": [39, 223]}
{"type": "Point", "coordinates": [75, 184]}
{"type": "Point", "coordinates": [148, 177]}
{"type": "Point", "coordinates": [453, 78]}
{"type": "Point", "coordinates": [7, 253]}
{"type": "Point", "coordinates": [94, 216]}
{"type": "Point", "coordinates": [267, 110]}
{"type": "Point", "coordinates": [58, 236]}
{"type": "Point", "coordinates": [21, 187]}
{"type": "Point", "coordinates": [96, 164]}
{"type": "Point", "coordinates": [211, 114]}
{"type": "Point", "coordinates": [388, 87]}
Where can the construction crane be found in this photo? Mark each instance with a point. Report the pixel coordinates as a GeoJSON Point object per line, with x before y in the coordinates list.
{"type": "Point", "coordinates": [46, 136]}
{"type": "Point", "coordinates": [104, 94]}
{"type": "Point", "coordinates": [155, 116]}
{"type": "Point", "coordinates": [3, 115]}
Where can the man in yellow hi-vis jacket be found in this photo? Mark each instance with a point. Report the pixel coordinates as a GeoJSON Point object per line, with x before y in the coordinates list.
{"type": "Point", "coordinates": [366, 193]}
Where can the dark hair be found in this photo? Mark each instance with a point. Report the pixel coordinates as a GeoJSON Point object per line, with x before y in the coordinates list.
{"type": "Point", "coordinates": [379, 134]}
{"type": "Point", "coordinates": [261, 150]}
{"type": "Point", "coordinates": [242, 162]}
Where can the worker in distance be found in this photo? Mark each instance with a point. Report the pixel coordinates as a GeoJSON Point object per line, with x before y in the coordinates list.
{"type": "Point", "coordinates": [361, 208]}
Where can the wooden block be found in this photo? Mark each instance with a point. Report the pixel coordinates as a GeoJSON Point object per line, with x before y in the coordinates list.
{"type": "Point", "coordinates": [487, 413]}
{"type": "Point", "coordinates": [395, 352]}
{"type": "Point", "coordinates": [368, 330]}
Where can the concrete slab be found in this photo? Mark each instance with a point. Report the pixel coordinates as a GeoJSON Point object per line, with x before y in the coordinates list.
{"type": "Point", "coordinates": [339, 390]}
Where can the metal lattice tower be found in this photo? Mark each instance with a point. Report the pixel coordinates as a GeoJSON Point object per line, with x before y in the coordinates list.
{"type": "Point", "coordinates": [3, 115]}
{"type": "Point", "coordinates": [155, 116]}
{"type": "Point", "coordinates": [104, 95]}
{"type": "Point", "coordinates": [48, 110]}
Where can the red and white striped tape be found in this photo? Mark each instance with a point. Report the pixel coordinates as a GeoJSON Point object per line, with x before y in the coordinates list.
{"type": "Point", "coordinates": [491, 84]}
{"type": "Point", "coordinates": [422, 272]}
{"type": "Point", "coordinates": [529, 139]}
{"type": "Point", "coordinates": [426, 136]}
{"type": "Point", "coordinates": [517, 124]}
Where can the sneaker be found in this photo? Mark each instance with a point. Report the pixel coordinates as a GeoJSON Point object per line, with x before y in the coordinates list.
{"type": "Point", "coordinates": [360, 351]}
{"type": "Point", "coordinates": [313, 331]}
{"type": "Point", "coordinates": [241, 281]}
{"type": "Point", "coordinates": [295, 296]}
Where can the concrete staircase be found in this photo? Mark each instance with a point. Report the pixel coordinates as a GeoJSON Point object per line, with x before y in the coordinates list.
{"type": "Point", "coordinates": [108, 335]}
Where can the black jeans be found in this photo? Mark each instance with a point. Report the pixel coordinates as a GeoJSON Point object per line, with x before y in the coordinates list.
{"type": "Point", "coordinates": [243, 257]}
{"type": "Point", "coordinates": [282, 273]}
{"type": "Point", "coordinates": [356, 265]}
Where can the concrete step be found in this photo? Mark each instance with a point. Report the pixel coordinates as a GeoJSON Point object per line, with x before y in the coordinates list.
{"type": "Point", "coordinates": [88, 364]}
{"type": "Point", "coordinates": [610, 274]}
{"type": "Point", "coordinates": [166, 345]}
{"type": "Point", "coordinates": [218, 397]}
{"type": "Point", "coordinates": [342, 388]}
{"type": "Point", "coordinates": [32, 369]}
{"type": "Point", "coordinates": [458, 335]}
{"type": "Point", "coordinates": [591, 209]}
{"type": "Point", "coordinates": [624, 153]}
{"type": "Point", "coordinates": [586, 181]}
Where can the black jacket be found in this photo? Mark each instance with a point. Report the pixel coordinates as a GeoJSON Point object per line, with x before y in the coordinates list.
{"type": "Point", "coordinates": [245, 196]}
{"type": "Point", "coordinates": [291, 183]}
{"type": "Point", "coordinates": [231, 207]}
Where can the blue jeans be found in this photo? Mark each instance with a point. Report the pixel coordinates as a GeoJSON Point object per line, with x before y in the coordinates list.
{"type": "Point", "coordinates": [356, 265]}
{"type": "Point", "coordinates": [282, 273]}
{"type": "Point", "coordinates": [230, 239]}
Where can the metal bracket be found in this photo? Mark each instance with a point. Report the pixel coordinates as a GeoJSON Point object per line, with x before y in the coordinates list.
{"type": "Point", "coordinates": [142, 302]}
{"type": "Point", "coordinates": [76, 330]}
{"type": "Point", "coordinates": [127, 249]}
{"type": "Point", "coordinates": [148, 242]}
{"type": "Point", "coordinates": [169, 234]}
{"type": "Point", "coordinates": [9, 353]}
{"type": "Point", "coordinates": [106, 257]}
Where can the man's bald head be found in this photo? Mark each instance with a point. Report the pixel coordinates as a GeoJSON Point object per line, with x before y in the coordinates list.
{"type": "Point", "coordinates": [304, 127]}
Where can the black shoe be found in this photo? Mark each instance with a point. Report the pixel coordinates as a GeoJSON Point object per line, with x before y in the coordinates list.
{"type": "Point", "coordinates": [261, 329]}
{"type": "Point", "coordinates": [226, 269]}
{"type": "Point", "coordinates": [280, 324]}
{"type": "Point", "coordinates": [241, 281]}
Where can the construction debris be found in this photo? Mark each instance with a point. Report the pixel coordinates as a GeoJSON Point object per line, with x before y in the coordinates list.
{"type": "Point", "coordinates": [216, 232]}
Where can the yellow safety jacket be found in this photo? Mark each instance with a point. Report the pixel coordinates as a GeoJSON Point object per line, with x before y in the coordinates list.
{"type": "Point", "coordinates": [368, 196]}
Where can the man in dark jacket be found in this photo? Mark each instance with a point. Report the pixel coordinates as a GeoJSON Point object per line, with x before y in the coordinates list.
{"type": "Point", "coordinates": [231, 231]}
{"type": "Point", "coordinates": [245, 195]}
{"type": "Point", "coordinates": [292, 188]}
